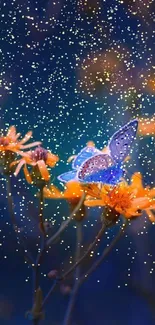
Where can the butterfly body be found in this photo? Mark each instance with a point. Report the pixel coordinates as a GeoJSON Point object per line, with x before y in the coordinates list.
{"type": "Point", "coordinates": [93, 166]}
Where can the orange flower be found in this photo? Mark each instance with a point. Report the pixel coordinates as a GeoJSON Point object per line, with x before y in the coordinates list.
{"type": "Point", "coordinates": [128, 200]}
{"type": "Point", "coordinates": [10, 142]}
{"type": "Point", "coordinates": [10, 145]}
{"type": "Point", "coordinates": [72, 193]}
{"type": "Point", "coordinates": [147, 126]}
{"type": "Point", "coordinates": [39, 159]}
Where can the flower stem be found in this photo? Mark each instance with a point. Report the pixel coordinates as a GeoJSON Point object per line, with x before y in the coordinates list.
{"type": "Point", "coordinates": [41, 208]}
{"type": "Point", "coordinates": [79, 261]}
{"type": "Point", "coordinates": [104, 254]}
{"type": "Point", "coordinates": [43, 239]}
{"type": "Point", "coordinates": [49, 293]}
{"type": "Point", "coordinates": [10, 203]}
{"type": "Point", "coordinates": [67, 319]}
{"type": "Point", "coordinates": [53, 238]}
{"type": "Point", "coordinates": [20, 240]}
{"type": "Point", "coordinates": [66, 223]}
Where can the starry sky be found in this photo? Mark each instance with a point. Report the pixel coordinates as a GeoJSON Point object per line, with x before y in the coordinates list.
{"type": "Point", "coordinates": [74, 71]}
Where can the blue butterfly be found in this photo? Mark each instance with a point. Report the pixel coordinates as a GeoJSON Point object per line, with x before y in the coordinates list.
{"type": "Point", "coordinates": [93, 166]}
{"type": "Point", "coordinates": [84, 154]}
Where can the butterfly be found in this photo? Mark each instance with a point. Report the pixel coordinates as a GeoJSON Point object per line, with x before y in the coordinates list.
{"type": "Point", "coordinates": [93, 166]}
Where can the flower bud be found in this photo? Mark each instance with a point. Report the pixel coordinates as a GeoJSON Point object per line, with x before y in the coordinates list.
{"type": "Point", "coordinates": [52, 274]}
{"type": "Point", "coordinates": [110, 216]}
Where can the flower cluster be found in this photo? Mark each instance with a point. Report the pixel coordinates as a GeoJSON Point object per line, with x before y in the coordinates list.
{"type": "Point", "coordinates": [121, 198]}
{"type": "Point", "coordinates": [129, 200]}
{"type": "Point", "coordinates": [126, 199]}
{"type": "Point", "coordinates": [39, 158]}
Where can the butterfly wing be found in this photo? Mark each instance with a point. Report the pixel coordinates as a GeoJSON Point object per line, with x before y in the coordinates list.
{"type": "Point", "coordinates": [121, 141]}
{"type": "Point", "coordinates": [66, 177]}
{"type": "Point", "coordinates": [84, 154]}
{"type": "Point", "coordinates": [93, 165]}
{"type": "Point", "coordinates": [110, 176]}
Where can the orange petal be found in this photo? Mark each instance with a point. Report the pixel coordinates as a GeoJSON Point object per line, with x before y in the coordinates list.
{"type": "Point", "coordinates": [11, 131]}
{"type": "Point", "coordinates": [27, 174]}
{"type": "Point", "coordinates": [53, 193]}
{"type": "Point", "coordinates": [142, 203]}
{"type": "Point", "coordinates": [127, 158]}
{"type": "Point", "coordinates": [129, 214]}
{"type": "Point", "coordinates": [73, 190]}
{"type": "Point", "coordinates": [152, 192]}
{"type": "Point", "coordinates": [93, 190]}
{"type": "Point", "coordinates": [43, 170]}
{"type": "Point", "coordinates": [152, 206]}
{"type": "Point", "coordinates": [21, 163]}
{"type": "Point", "coordinates": [106, 150]}
{"type": "Point", "coordinates": [25, 154]}
{"type": "Point", "coordinates": [14, 147]}
{"type": "Point", "coordinates": [90, 144]}
{"type": "Point", "coordinates": [94, 203]}
{"type": "Point", "coordinates": [151, 215]}
{"type": "Point", "coordinates": [27, 137]}
{"type": "Point", "coordinates": [71, 158]}
{"type": "Point", "coordinates": [15, 162]}
{"type": "Point", "coordinates": [30, 145]}
{"type": "Point", "coordinates": [51, 159]}
{"type": "Point", "coordinates": [17, 136]}
{"type": "Point", "coordinates": [136, 181]}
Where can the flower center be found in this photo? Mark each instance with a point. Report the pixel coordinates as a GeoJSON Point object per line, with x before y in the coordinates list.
{"type": "Point", "coordinates": [39, 154]}
{"type": "Point", "coordinates": [120, 198]}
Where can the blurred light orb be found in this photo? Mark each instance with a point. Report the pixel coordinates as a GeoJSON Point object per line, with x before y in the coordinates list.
{"type": "Point", "coordinates": [146, 126]}
{"type": "Point", "coordinates": [89, 7]}
{"type": "Point", "coordinates": [104, 72]}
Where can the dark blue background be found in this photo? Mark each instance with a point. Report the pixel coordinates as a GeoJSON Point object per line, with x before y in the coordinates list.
{"type": "Point", "coordinates": [39, 79]}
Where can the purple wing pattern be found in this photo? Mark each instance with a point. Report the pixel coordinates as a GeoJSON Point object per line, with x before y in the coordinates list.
{"type": "Point", "coordinates": [121, 141]}
{"type": "Point", "coordinates": [93, 165]}
{"type": "Point", "coordinates": [83, 155]}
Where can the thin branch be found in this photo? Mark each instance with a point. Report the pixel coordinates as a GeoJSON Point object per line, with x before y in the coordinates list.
{"type": "Point", "coordinates": [20, 240]}
{"type": "Point", "coordinates": [79, 261]}
{"type": "Point", "coordinates": [49, 293]}
{"type": "Point", "coordinates": [43, 239]}
{"type": "Point", "coordinates": [42, 228]}
{"type": "Point", "coordinates": [66, 223]}
{"type": "Point", "coordinates": [104, 254]}
{"type": "Point", "coordinates": [53, 238]}
{"type": "Point", "coordinates": [67, 319]}
{"type": "Point", "coordinates": [41, 207]}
